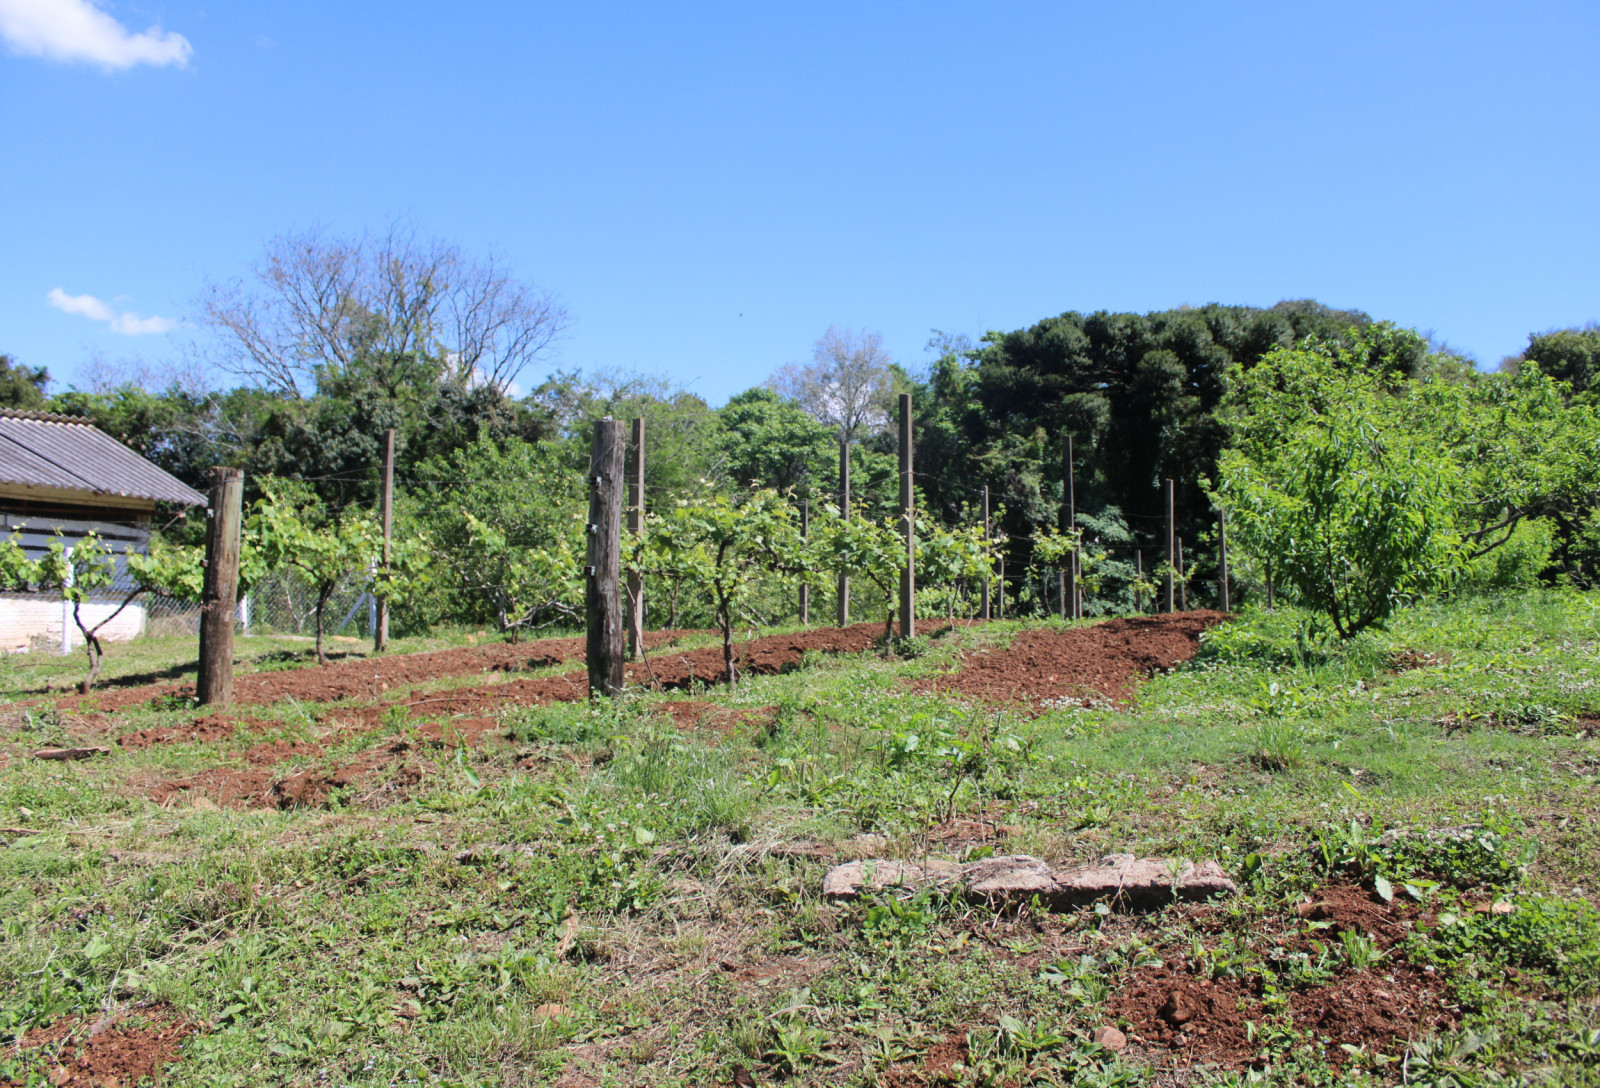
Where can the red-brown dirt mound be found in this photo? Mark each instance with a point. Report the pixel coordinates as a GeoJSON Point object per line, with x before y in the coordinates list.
{"type": "Point", "coordinates": [123, 1051]}
{"type": "Point", "coordinates": [381, 773]}
{"type": "Point", "coordinates": [1104, 661]}
{"type": "Point", "coordinates": [1382, 1007]}
{"type": "Point", "coordinates": [207, 728]}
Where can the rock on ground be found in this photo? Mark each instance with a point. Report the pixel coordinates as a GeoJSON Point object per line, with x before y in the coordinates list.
{"type": "Point", "coordinates": [1122, 879]}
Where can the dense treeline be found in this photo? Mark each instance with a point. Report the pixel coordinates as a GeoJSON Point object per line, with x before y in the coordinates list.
{"type": "Point", "coordinates": [492, 476]}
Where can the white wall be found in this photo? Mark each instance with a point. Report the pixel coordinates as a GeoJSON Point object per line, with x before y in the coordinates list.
{"type": "Point", "coordinates": [30, 618]}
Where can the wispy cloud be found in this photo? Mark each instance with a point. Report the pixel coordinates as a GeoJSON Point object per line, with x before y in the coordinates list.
{"type": "Point", "coordinates": [72, 30]}
{"type": "Point", "coordinates": [127, 323]}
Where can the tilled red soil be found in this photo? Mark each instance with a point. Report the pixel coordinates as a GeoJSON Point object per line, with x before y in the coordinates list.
{"type": "Point", "coordinates": [1382, 1007]}
{"type": "Point", "coordinates": [370, 677]}
{"type": "Point", "coordinates": [104, 1053]}
{"type": "Point", "coordinates": [1107, 658]}
{"type": "Point", "coordinates": [208, 727]}
{"type": "Point", "coordinates": [1101, 662]}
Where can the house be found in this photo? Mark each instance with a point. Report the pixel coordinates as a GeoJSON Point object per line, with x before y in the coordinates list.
{"type": "Point", "coordinates": [60, 474]}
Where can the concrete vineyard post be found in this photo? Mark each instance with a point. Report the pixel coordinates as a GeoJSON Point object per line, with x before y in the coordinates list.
{"type": "Point", "coordinates": [805, 538]}
{"type": "Point", "coordinates": [1138, 571]}
{"type": "Point", "coordinates": [602, 594]}
{"type": "Point", "coordinates": [844, 514]}
{"type": "Point", "coordinates": [1070, 596]}
{"type": "Point", "coordinates": [908, 521]}
{"type": "Point", "coordinates": [983, 601]}
{"type": "Point", "coordinates": [635, 527]}
{"type": "Point", "coordinates": [1183, 585]}
{"type": "Point", "coordinates": [1222, 560]}
{"type": "Point", "coordinates": [1172, 557]}
{"type": "Point", "coordinates": [219, 597]}
{"type": "Point", "coordinates": [380, 626]}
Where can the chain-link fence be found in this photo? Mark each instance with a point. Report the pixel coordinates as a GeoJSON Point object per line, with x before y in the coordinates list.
{"type": "Point", "coordinates": [282, 603]}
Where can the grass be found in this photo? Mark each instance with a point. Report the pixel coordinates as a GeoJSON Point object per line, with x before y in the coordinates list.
{"type": "Point", "coordinates": [607, 899]}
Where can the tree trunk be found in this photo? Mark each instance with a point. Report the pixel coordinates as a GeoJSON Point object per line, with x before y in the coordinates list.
{"type": "Point", "coordinates": [725, 620]}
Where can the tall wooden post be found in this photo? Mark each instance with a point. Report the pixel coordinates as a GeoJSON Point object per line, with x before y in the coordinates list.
{"type": "Point", "coordinates": [1222, 560]}
{"type": "Point", "coordinates": [602, 594]}
{"type": "Point", "coordinates": [1172, 554]}
{"type": "Point", "coordinates": [1270, 594]}
{"type": "Point", "coordinates": [219, 597]}
{"type": "Point", "coordinates": [908, 521]}
{"type": "Point", "coordinates": [805, 537]}
{"type": "Point", "coordinates": [983, 600]}
{"type": "Point", "coordinates": [635, 527]}
{"type": "Point", "coordinates": [844, 513]}
{"type": "Point", "coordinates": [1138, 573]}
{"type": "Point", "coordinates": [1183, 583]}
{"type": "Point", "coordinates": [380, 629]}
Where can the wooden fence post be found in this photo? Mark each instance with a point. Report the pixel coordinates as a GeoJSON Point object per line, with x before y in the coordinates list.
{"type": "Point", "coordinates": [805, 587]}
{"type": "Point", "coordinates": [602, 594]}
{"type": "Point", "coordinates": [1222, 560]}
{"type": "Point", "coordinates": [1172, 556]}
{"type": "Point", "coordinates": [219, 597]}
{"type": "Point", "coordinates": [380, 629]}
{"type": "Point", "coordinates": [843, 612]}
{"type": "Point", "coordinates": [635, 527]}
{"type": "Point", "coordinates": [1270, 594]}
{"type": "Point", "coordinates": [908, 519]}
{"type": "Point", "coordinates": [983, 600]}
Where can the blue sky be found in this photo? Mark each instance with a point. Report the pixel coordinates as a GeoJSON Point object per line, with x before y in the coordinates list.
{"type": "Point", "coordinates": [708, 187]}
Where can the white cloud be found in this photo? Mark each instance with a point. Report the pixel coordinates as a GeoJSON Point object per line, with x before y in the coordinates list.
{"type": "Point", "coordinates": [127, 323]}
{"type": "Point", "coordinates": [69, 30]}
{"type": "Point", "coordinates": [131, 324]}
{"type": "Point", "coordinates": [87, 305]}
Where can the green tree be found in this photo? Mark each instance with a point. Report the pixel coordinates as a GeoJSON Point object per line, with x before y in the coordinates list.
{"type": "Point", "coordinates": [1355, 507]}
{"type": "Point", "coordinates": [290, 529]}
{"type": "Point", "coordinates": [22, 386]}
{"type": "Point", "coordinates": [764, 440]}
{"type": "Point", "coordinates": [1568, 355]}
{"type": "Point", "coordinates": [83, 571]}
{"type": "Point", "coordinates": [506, 521]}
{"type": "Point", "coordinates": [722, 545]}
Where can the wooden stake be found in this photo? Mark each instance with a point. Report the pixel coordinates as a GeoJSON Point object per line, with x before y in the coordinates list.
{"type": "Point", "coordinates": [1222, 559]}
{"type": "Point", "coordinates": [983, 601]}
{"type": "Point", "coordinates": [908, 522]}
{"type": "Point", "coordinates": [1172, 555]}
{"type": "Point", "coordinates": [635, 527]}
{"type": "Point", "coordinates": [380, 629]}
{"type": "Point", "coordinates": [805, 588]}
{"type": "Point", "coordinates": [219, 598]}
{"type": "Point", "coordinates": [844, 514]}
{"type": "Point", "coordinates": [1000, 589]}
{"type": "Point", "coordinates": [602, 594]}
{"type": "Point", "coordinates": [1270, 601]}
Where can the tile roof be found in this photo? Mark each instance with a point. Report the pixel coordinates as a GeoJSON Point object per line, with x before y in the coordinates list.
{"type": "Point", "coordinates": [47, 449]}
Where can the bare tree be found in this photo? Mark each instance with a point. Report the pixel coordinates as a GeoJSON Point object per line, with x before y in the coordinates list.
{"type": "Point", "coordinates": [316, 304]}
{"type": "Point", "coordinates": [847, 383]}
